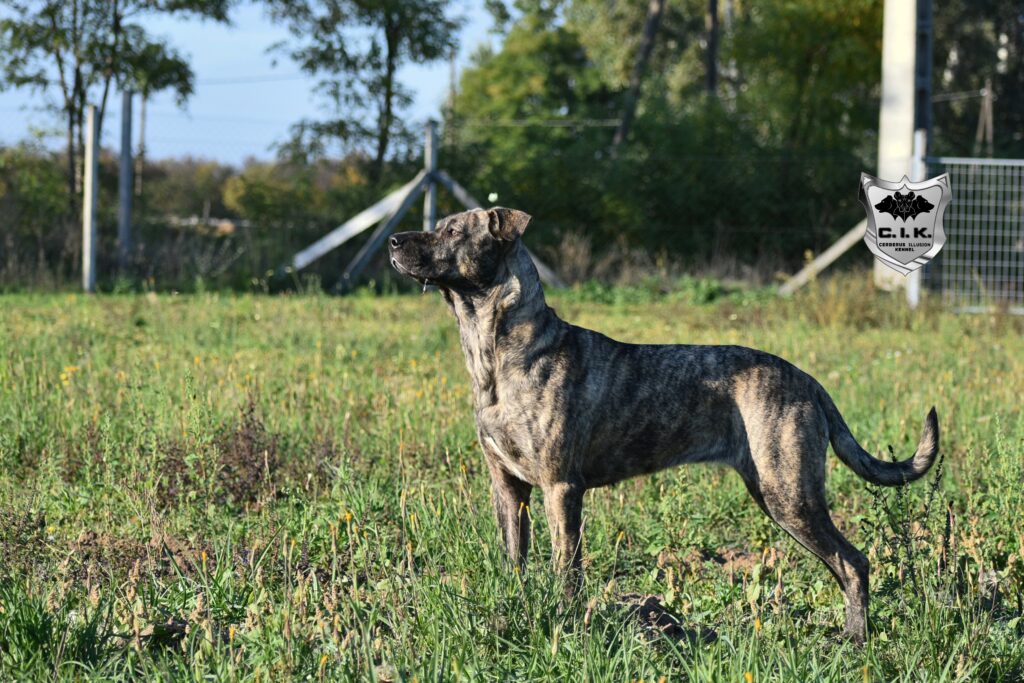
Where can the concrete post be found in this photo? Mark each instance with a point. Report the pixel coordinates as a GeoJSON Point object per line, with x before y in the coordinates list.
{"type": "Point", "coordinates": [124, 185]}
{"type": "Point", "coordinates": [896, 112]}
{"type": "Point", "coordinates": [90, 188]}
{"type": "Point", "coordinates": [918, 171]}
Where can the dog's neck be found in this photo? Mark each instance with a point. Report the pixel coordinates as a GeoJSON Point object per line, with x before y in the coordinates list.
{"type": "Point", "coordinates": [507, 316]}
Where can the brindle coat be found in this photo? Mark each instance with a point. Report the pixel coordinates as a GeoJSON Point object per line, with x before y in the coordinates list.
{"type": "Point", "coordinates": [566, 409]}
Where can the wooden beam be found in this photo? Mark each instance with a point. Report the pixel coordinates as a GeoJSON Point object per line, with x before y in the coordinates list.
{"type": "Point", "coordinates": [430, 165]}
{"type": "Point", "coordinates": [825, 259]}
{"type": "Point", "coordinates": [460, 193]}
{"type": "Point", "coordinates": [355, 225]}
{"type": "Point", "coordinates": [383, 230]}
{"type": "Point", "coordinates": [547, 275]}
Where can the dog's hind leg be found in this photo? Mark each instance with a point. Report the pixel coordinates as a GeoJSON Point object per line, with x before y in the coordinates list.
{"type": "Point", "coordinates": [511, 501]}
{"type": "Point", "coordinates": [789, 485]}
{"type": "Point", "coordinates": [811, 525]}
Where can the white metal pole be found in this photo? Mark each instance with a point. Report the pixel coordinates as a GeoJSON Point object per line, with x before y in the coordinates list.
{"type": "Point", "coordinates": [918, 170]}
{"type": "Point", "coordinates": [430, 166]}
{"type": "Point", "coordinates": [124, 185]}
{"type": "Point", "coordinates": [89, 191]}
{"type": "Point", "coordinates": [896, 109]}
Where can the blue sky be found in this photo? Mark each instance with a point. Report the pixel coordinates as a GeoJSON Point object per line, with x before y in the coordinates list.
{"type": "Point", "coordinates": [242, 104]}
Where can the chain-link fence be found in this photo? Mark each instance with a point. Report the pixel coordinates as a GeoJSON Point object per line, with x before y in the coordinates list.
{"type": "Point", "coordinates": [981, 268]}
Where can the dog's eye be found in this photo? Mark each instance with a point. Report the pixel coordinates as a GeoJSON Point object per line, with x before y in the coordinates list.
{"type": "Point", "coordinates": [450, 231]}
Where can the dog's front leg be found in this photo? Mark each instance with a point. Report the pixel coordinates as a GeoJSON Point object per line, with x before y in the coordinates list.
{"type": "Point", "coordinates": [511, 498]}
{"type": "Point", "coordinates": [563, 503]}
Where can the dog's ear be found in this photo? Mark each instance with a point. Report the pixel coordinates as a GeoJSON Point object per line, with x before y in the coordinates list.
{"type": "Point", "coordinates": [507, 224]}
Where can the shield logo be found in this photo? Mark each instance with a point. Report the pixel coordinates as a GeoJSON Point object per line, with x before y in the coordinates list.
{"type": "Point", "coordinates": [904, 219]}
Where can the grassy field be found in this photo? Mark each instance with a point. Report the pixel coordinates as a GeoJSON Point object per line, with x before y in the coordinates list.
{"type": "Point", "coordinates": [226, 487]}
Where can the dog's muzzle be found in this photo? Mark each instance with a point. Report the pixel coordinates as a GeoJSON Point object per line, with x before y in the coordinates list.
{"type": "Point", "coordinates": [394, 244]}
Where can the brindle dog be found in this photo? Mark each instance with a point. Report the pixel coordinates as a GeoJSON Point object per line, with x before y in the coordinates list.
{"type": "Point", "coordinates": [567, 409]}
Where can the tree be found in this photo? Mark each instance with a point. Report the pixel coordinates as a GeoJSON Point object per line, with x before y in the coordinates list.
{"type": "Point", "coordinates": [654, 11]}
{"type": "Point", "coordinates": [764, 166]}
{"type": "Point", "coordinates": [711, 24]}
{"type": "Point", "coordinates": [977, 40]}
{"type": "Point", "coordinates": [526, 115]}
{"type": "Point", "coordinates": [356, 47]}
{"type": "Point", "coordinates": [80, 48]}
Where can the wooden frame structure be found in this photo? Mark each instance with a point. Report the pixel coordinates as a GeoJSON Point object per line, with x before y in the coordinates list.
{"type": "Point", "coordinates": [388, 213]}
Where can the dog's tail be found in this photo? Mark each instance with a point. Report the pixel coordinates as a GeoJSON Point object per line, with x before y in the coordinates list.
{"type": "Point", "coordinates": [878, 471]}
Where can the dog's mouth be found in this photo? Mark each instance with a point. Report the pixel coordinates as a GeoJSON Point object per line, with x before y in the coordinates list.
{"type": "Point", "coordinates": [397, 265]}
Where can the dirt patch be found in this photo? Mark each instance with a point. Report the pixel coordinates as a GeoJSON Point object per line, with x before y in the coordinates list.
{"type": "Point", "coordinates": [83, 453]}
{"type": "Point", "coordinates": [23, 543]}
{"type": "Point", "coordinates": [655, 620]}
{"type": "Point", "coordinates": [236, 467]}
{"type": "Point", "coordinates": [244, 465]}
{"type": "Point", "coordinates": [731, 560]}
{"type": "Point", "coordinates": [93, 554]}
{"type": "Point", "coordinates": [248, 458]}
{"type": "Point", "coordinates": [314, 470]}
{"type": "Point", "coordinates": [28, 548]}
{"type": "Point", "coordinates": [737, 560]}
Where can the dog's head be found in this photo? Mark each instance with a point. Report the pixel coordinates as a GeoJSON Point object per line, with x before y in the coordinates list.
{"type": "Point", "coordinates": [464, 253]}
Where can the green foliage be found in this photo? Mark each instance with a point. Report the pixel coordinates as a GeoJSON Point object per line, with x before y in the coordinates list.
{"type": "Point", "coordinates": [819, 93]}
{"type": "Point", "coordinates": [542, 73]}
{"type": "Point", "coordinates": [30, 190]}
{"type": "Point", "coordinates": [978, 40]}
{"type": "Point", "coordinates": [790, 128]}
{"type": "Point", "coordinates": [240, 487]}
{"type": "Point", "coordinates": [77, 51]}
{"type": "Point", "coordinates": [357, 48]}
{"type": "Point", "coordinates": [751, 176]}
{"type": "Point", "coordinates": [611, 32]}
{"type": "Point", "coordinates": [31, 198]}
{"type": "Point", "coordinates": [687, 290]}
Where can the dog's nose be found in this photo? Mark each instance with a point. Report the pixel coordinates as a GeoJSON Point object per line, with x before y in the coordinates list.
{"type": "Point", "coordinates": [396, 240]}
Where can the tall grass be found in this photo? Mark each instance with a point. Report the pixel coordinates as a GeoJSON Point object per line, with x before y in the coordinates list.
{"type": "Point", "coordinates": [258, 488]}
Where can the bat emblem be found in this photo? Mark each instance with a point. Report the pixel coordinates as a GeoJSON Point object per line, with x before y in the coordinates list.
{"type": "Point", "coordinates": [904, 219]}
{"type": "Point", "coordinates": [904, 206]}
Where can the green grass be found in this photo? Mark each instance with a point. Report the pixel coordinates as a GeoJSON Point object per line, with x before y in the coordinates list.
{"type": "Point", "coordinates": [226, 487]}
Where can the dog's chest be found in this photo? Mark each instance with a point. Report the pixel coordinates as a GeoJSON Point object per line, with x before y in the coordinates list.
{"type": "Point", "coordinates": [512, 442]}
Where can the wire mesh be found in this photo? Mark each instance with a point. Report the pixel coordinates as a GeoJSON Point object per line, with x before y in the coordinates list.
{"type": "Point", "coordinates": [981, 268]}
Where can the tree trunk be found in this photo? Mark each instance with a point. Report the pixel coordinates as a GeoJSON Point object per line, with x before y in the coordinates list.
{"type": "Point", "coordinates": [108, 74]}
{"type": "Point", "coordinates": [711, 25]}
{"type": "Point", "coordinates": [58, 56]}
{"type": "Point", "coordinates": [72, 177]}
{"type": "Point", "coordinates": [387, 106]}
{"type": "Point", "coordinates": [140, 158]}
{"type": "Point", "coordinates": [77, 107]}
{"type": "Point", "coordinates": [655, 10]}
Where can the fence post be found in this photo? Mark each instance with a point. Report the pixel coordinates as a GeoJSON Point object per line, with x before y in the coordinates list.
{"type": "Point", "coordinates": [89, 191]}
{"type": "Point", "coordinates": [430, 166]}
{"type": "Point", "coordinates": [918, 171]}
{"type": "Point", "coordinates": [124, 185]}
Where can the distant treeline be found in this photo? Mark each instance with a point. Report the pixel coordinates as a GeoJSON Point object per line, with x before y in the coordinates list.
{"type": "Point", "coordinates": [700, 132]}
